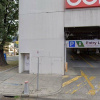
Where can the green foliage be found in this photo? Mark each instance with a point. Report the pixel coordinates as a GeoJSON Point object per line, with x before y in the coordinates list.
{"type": "Point", "coordinates": [8, 20]}
{"type": "Point", "coordinates": [16, 97]}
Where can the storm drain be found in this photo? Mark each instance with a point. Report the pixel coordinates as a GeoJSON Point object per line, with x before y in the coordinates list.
{"type": "Point", "coordinates": [8, 98]}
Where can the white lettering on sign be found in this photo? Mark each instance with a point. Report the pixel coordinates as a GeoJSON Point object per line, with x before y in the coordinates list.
{"type": "Point", "coordinates": [71, 43]}
{"type": "Point", "coordinates": [90, 2]}
{"type": "Point", "coordinates": [80, 43]}
{"type": "Point", "coordinates": [79, 1]}
{"type": "Point", "coordinates": [83, 44]}
{"type": "Point", "coordinates": [73, 4]}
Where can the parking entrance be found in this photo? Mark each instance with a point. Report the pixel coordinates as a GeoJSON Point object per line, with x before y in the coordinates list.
{"type": "Point", "coordinates": [82, 47]}
{"type": "Point", "coordinates": [82, 54]}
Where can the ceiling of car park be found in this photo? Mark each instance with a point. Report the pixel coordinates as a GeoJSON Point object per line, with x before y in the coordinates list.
{"type": "Point", "coordinates": [82, 33]}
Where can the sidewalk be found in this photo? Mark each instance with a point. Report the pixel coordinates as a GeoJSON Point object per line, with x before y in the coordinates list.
{"type": "Point", "coordinates": [74, 86]}
{"type": "Point", "coordinates": [12, 84]}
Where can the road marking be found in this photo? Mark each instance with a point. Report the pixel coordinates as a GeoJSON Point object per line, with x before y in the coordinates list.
{"type": "Point", "coordinates": [92, 57]}
{"type": "Point", "coordinates": [70, 90]}
{"type": "Point", "coordinates": [86, 61]}
{"type": "Point", "coordinates": [79, 84]}
{"type": "Point", "coordinates": [85, 76]}
{"type": "Point", "coordinates": [72, 57]}
{"type": "Point", "coordinates": [92, 91]}
{"type": "Point", "coordinates": [70, 81]}
{"type": "Point", "coordinates": [91, 78]}
{"type": "Point", "coordinates": [66, 76]}
{"type": "Point", "coordinates": [78, 88]}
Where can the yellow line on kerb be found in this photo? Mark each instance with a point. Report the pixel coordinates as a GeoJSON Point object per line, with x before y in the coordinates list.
{"type": "Point", "coordinates": [70, 81]}
{"type": "Point", "coordinates": [66, 76]}
{"type": "Point", "coordinates": [86, 62]}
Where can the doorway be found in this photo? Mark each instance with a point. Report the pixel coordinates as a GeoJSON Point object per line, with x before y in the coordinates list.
{"type": "Point", "coordinates": [27, 62]}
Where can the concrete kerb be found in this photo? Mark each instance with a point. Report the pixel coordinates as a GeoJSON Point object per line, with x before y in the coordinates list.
{"type": "Point", "coordinates": [10, 94]}
{"type": "Point", "coordinates": [39, 94]}
{"type": "Point", "coordinates": [31, 95]}
{"type": "Point", "coordinates": [45, 95]}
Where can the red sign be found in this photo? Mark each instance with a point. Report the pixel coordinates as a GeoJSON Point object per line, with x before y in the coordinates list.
{"type": "Point", "coordinates": [82, 3]}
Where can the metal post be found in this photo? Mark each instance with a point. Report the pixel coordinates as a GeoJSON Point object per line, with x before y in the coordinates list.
{"type": "Point", "coordinates": [38, 75]}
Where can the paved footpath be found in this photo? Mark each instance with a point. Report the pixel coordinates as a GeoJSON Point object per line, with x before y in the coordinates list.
{"type": "Point", "coordinates": [12, 83]}
{"type": "Point", "coordinates": [75, 85]}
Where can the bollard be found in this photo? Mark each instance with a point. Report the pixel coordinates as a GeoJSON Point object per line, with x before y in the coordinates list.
{"type": "Point", "coordinates": [26, 88]}
{"type": "Point", "coordinates": [66, 66]}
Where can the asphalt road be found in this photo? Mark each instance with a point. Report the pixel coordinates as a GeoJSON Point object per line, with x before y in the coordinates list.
{"type": "Point", "coordinates": [12, 58]}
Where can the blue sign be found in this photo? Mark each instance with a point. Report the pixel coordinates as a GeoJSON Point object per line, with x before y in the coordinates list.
{"type": "Point", "coordinates": [71, 43]}
{"type": "Point", "coordinates": [5, 56]}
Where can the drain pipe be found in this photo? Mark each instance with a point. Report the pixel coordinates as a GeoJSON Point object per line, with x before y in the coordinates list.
{"type": "Point", "coordinates": [65, 56]}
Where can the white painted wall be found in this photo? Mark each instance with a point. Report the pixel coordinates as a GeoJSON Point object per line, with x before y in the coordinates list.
{"type": "Point", "coordinates": [41, 27]}
{"type": "Point", "coordinates": [82, 17]}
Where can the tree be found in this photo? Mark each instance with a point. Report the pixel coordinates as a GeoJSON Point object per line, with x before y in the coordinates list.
{"type": "Point", "coordinates": [8, 24]}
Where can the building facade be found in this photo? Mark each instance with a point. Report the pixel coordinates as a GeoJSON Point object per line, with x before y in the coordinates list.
{"type": "Point", "coordinates": [41, 31]}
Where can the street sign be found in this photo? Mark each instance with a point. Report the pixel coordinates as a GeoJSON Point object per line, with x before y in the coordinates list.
{"type": "Point", "coordinates": [83, 44]}
{"type": "Point", "coordinates": [71, 43]}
